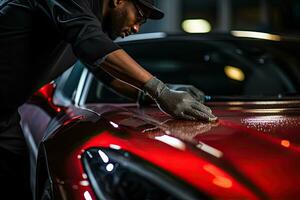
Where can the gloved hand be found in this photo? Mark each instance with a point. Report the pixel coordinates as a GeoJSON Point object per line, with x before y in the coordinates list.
{"type": "Point", "coordinates": [196, 93]}
{"type": "Point", "coordinates": [179, 104]}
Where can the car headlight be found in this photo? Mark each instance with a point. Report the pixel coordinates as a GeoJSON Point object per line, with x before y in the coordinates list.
{"type": "Point", "coordinates": [116, 174]}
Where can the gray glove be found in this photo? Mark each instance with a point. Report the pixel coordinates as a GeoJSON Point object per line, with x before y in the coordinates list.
{"type": "Point", "coordinates": [179, 104]}
{"type": "Point", "coordinates": [196, 93]}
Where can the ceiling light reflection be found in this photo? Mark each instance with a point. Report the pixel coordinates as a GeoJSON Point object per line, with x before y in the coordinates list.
{"type": "Point", "coordinates": [256, 35]}
{"type": "Point", "coordinates": [220, 178]}
{"type": "Point", "coordinates": [103, 156]}
{"type": "Point", "coordinates": [114, 146]}
{"type": "Point", "coordinates": [114, 124]}
{"type": "Point", "coordinates": [285, 143]}
{"type": "Point", "coordinates": [174, 142]}
{"type": "Point", "coordinates": [84, 175]}
{"type": "Point", "coordinates": [84, 183]}
{"type": "Point", "coordinates": [109, 167]}
{"type": "Point", "coordinates": [210, 150]}
{"type": "Point", "coordinates": [222, 182]}
{"type": "Point", "coordinates": [87, 196]}
{"type": "Point", "coordinates": [265, 119]}
{"type": "Point", "coordinates": [196, 26]}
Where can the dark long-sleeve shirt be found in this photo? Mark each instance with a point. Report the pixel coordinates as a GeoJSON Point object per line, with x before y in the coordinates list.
{"type": "Point", "coordinates": [35, 33]}
{"type": "Point", "coordinates": [35, 41]}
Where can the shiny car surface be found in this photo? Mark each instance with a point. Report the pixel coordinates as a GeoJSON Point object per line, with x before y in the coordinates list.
{"type": "Point", "coordinates": [89, 142]}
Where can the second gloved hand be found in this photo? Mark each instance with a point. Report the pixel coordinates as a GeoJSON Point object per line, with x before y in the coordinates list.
{"type": "Point", "coordinates": [179, 104]}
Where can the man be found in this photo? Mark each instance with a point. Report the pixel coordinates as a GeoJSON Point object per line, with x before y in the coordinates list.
{"type": "Point", "coordinates": [34, 34]}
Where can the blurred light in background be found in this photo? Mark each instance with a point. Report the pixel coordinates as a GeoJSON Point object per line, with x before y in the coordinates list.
{"type": "Point", "coordinates": [257, 35]}
{"type": "Point", "coordinates": [234, 73]}
{"type": "Point", "coordinates": [196, 26]}
{"type": "Point", "coordinates": [269, 16]}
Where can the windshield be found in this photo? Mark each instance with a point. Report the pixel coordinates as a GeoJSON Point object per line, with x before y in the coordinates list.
{"type": "Point", "coordinates": [244, 69]}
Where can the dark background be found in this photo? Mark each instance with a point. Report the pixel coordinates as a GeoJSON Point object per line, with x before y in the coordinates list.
{"type": "Point", "coordinates": [272, 16]}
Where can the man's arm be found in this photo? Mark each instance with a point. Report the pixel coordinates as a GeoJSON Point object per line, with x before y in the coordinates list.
{"type": "Point", "coordinates": [121, 66]}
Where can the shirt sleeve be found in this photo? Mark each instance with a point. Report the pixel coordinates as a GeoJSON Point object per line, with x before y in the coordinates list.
{"type": "Point", "coordinates": [79, 26]}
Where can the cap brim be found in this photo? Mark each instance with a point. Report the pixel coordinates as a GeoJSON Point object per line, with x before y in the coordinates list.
{"type": "Point", "coordinates": [156, 13]}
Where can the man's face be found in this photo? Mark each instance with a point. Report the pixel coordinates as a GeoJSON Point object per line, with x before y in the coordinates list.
{"type": "Point", "coordinates": [124, 19]}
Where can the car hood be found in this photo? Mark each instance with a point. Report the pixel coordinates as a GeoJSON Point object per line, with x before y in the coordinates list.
{"type": "Point", "coordinates": [256, 145]}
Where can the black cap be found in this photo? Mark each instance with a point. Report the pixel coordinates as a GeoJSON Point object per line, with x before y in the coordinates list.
{"type": "Point", "coordinates": [156, 13]}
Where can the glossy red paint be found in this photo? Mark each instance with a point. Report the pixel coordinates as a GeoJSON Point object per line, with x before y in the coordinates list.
{"type": "Point", "coordinates": [46, 92]}
{"type": "Point", "coordinates": [263, 156]}
{"type": "Point", "coordinates": [239, 157]}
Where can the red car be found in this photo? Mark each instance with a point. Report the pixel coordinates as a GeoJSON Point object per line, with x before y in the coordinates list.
{"type": "Point", "coordinates": [88, 142]}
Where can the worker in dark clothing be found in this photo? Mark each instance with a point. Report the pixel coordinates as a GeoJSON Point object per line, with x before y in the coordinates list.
{"type": "Point", "coordinates": [34, 34]}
